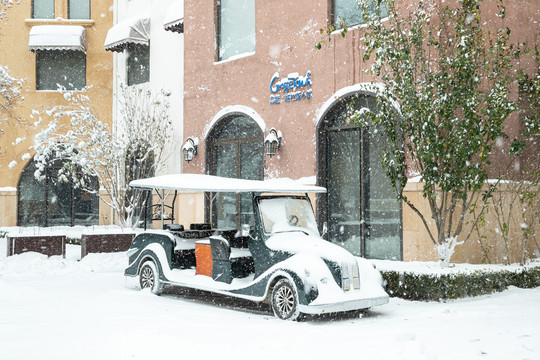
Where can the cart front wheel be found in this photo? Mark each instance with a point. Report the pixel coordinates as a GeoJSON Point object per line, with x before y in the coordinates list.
{"type": "Point", "coordinates": [285, 300]}
{"type": "Point", "coordinates": [149, 278]}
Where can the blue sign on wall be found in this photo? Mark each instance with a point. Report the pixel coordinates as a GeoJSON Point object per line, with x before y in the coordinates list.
{"type": "Point", "coordinates": [291, 88]}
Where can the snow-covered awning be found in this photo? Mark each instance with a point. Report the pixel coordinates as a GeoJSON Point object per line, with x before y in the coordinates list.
{"type": "Point", "coordinates": [57, 37]}
{"type": "Point", "coordinates": [134, 30]}
{"type": "Point", "coordinates": [174, 18]}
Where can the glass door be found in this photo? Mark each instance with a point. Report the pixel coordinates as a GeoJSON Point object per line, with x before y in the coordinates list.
{"type": "Point", "coordinates": [360, 208]}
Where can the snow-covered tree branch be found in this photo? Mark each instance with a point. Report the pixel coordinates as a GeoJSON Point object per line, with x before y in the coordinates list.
{"type": "Point", "coordinates": [10, 87]}
{"type": "Point", "coordinates": [4, 5]}
{"type": "Point", "coordinates": [10, 94]}
{"type": "Point", "coordinates": [89, 149]}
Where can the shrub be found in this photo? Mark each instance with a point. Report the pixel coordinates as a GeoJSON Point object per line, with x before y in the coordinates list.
{"type": "Point", "coordinates": [429, 287]}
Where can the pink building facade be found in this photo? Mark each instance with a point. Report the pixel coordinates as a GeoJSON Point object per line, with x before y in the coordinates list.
{"type": "Point", "coordinates": [252, 65]}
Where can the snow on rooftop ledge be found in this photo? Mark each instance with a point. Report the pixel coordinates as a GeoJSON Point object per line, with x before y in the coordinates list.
{"type": "Point", "coordinates": [235, 57]}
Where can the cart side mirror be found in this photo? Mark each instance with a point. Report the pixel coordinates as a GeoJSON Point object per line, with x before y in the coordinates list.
{"type": "Point", "coordinates": [245, 230]}
{"type": "Point", "coordinates": [324, 229]}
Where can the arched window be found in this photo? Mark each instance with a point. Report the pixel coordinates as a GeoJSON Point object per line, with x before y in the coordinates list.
{"type": "Point", "coordinates": [360, 207]}
{"type": "Point", "coordinates": [52, 202]}
{"type": "Point", "coordinates": [234, 150]}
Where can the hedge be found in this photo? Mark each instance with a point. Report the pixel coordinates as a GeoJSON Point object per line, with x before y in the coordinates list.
{"type": "Point", "coordinates": [438, 287]}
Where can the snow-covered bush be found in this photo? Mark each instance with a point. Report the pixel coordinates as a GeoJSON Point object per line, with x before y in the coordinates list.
{"type": "Point", "coordinates": [90, 149]}
{"type": "Point", "coordinates": [437, 287]}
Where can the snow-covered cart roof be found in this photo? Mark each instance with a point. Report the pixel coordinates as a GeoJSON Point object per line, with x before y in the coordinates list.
{"type": "Point", "coordinates": [210, 183]}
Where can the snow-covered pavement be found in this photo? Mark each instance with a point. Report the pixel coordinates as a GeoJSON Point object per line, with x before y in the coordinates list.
{"type": "Point", "coordinates": [54, 308]}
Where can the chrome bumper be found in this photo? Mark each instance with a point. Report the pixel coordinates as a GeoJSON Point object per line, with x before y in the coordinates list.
{"type": "Point", "coordinates": [356, 304]}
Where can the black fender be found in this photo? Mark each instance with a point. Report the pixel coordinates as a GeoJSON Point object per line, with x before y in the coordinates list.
{"type": "Point", "coordinates": [262, 287]}
{"type": "Point", "coordinates": [139, 252]}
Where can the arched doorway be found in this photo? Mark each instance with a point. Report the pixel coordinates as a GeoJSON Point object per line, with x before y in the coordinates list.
{"type": "Point", "coordinates": [360, 208]}
{"type": "Point", "coordinates": [234, 149]}
{"type": "Point", "coordinates": [52, 202]}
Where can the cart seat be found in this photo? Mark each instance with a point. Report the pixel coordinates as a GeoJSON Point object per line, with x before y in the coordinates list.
{"type": "Point", "coordinates": [200, 226]}
{"type": "Point", "coordinates": [173, 227]}
{"type": "Point", "coordinates": [226, 267]}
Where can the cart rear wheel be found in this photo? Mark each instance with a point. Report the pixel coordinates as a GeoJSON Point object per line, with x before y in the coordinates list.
{"type": "Point", "coordinates": [285, 300]}
{"type": "Point", "coordinates": [149, 278]}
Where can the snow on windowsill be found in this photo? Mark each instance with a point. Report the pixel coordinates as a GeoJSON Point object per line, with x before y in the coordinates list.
{"type": "Point", "coordinates": [235, 57]}
{"type": "Point", "coordinates": [60, 21]}
{"type": "Point", "coordinates": [60, 91]}
{"type": "Point", "coordinates": [7, 189]}
{"type": "Point", "coordinates": [354, 27]}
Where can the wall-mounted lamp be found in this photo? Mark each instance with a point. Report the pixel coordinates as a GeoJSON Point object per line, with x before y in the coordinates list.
{"type": "Point", "coordinates": [272, 142]}
{"type": "Point", "coordinates": [190, 148]}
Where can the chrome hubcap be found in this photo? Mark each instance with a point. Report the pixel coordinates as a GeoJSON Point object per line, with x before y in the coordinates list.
{"type": "Point", "coordinates": [147, 277]}
{"type": "Point", "coordinates": [284, 301]}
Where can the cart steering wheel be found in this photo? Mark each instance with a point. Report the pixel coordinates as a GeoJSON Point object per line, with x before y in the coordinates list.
{"type": "Point", "coordinates": [293, 220]}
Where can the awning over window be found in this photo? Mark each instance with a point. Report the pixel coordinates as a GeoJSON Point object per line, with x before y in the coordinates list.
{"type": "Point", "coordinates": [134, 30]}
{"type": "Point", "coordinates": [174, 17]}
{"type": "Point", "coordinates": [57, 37]}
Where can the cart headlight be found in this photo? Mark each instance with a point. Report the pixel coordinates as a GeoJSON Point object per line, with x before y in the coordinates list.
{"type": "Point", "coordinates": [350, 275]}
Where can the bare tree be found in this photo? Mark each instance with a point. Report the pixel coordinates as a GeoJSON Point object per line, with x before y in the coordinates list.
{"type": "Point", "coordinates": [89, 149]}
{"type": "Point", "coordinates": [10, 94]}
{"type": "Point", "coordinates": [10, 87]}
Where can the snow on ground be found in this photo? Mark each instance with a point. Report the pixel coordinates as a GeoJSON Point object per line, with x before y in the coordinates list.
{"type": "Point", "coordinates": [56, 308]}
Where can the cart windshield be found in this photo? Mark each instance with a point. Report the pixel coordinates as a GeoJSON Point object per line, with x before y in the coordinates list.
{"type": "Point", "coordinates": [286, 214]}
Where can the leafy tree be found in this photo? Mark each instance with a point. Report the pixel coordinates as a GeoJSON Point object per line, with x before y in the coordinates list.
{"type": "Point", "coordinates": [517, 206]}
{"type": "Point", "coordinates": [90, 149]}
{"type": "Point", "coordinates": [530, 96]}
{"type": "Point", "coordinates": [444, 98]}
{"type": "Point", "coordinates": [529, 186]}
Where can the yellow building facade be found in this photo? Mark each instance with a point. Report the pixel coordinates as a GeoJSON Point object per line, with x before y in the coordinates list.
{"type": "Point", "coordinates": [45, 43]}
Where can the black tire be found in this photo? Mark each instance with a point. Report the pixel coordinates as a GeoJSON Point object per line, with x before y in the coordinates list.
{"type": "Point", "coordinates": [149, 278]}
{"type": "Point", "coordinates": [285, 300]}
